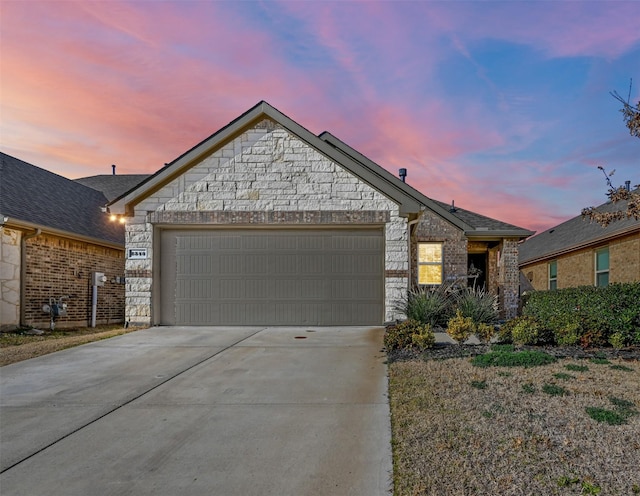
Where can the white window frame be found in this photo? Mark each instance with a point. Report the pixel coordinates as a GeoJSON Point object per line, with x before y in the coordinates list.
{"type": "Point", "coordinates": [439, 263]}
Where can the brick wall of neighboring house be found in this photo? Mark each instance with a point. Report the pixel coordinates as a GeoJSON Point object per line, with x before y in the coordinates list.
{"type": "Point", "coordinates": [58, 266]}
{"type": "Point", "coordinates": [433, 228]}
{"type": "Point", "coordinates": [9, 278]}
{"type": "Point", "coordinates": [578, 267]}
{"type": "Point", "coordinates": [266, 169]}
{"type": "Point", "coordinates": [624, 259]}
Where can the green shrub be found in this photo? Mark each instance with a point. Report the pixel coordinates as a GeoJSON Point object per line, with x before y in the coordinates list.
{"type": "Point", "coordinates": [460, 328]}
{"type": "Point", "coordinates": [479, 305]}
{"type": "Point", "coordinates": [525, 330]}
{"type": "Point", "coordinates": [423, 337]}
{"type": "Point", "coordinates": [429, 305]}
{"type": "Point", "coordinates": [484, 332]}
{"type": "Point", "coordinates": [399, 336]}
{"type": "Point", "coordinates": [408, 334]}
{"type": "Point", "coordinates": [588, 315]}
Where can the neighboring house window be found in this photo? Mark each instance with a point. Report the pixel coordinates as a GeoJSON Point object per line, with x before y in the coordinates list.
{"type": "Point", "coordinates": [553, 275]}
{"type": "Point", "coordinates": [602, 267]}
{"type": "Point", "coordinates": [429, 263]}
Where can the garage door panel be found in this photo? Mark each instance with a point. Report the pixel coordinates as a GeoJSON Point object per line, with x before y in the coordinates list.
{"type": "Point", "coordinates": [272, 277]}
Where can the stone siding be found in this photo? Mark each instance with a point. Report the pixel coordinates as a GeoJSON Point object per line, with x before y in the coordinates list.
{"type": "Point", "coordinates": [265, 176]}
{"type": "Point", "coordinates": [9, 278]}
{"type": "Point", "coordinates": [57, 267]}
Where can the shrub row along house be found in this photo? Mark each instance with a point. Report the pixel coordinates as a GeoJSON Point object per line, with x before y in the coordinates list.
{"type": "Point", "coordinates": [266, 223]}
{"type": "Point", "coordinates": [54, 237]}
{"type": "Point", "coordinates": [583, 253]}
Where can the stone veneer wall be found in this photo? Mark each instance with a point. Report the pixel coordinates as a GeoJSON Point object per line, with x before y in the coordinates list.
{"type": "Point", "coordinates": [9, 278]}
{"type": "Point", "coordinates": [266, 169]}
{"type": "Point", "coordinates": [59, 266]}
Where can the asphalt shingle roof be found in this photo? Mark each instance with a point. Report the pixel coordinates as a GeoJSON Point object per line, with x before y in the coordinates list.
{"type": "Point", "coordinates": [113, 185]}
{"type": "Point", "coordinates": [34, 195]}
{"type": "Point", "coordinates": [573, 234]}
{"type": "Point", "coordinates": [478, 221]}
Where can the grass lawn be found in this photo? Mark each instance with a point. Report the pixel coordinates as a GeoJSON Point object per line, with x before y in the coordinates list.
{"type": "Point", "coordinates": [18, 346]}
{"type": "Point", "coordinates": [568, 427]}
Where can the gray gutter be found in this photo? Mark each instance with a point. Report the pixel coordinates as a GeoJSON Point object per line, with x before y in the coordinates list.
{"type": "Point", "coordinates": [510, 233]}
{"type": "Point", "coordinates": [21, 225]}
{"type": "Point", "coordinates": [579, 246]}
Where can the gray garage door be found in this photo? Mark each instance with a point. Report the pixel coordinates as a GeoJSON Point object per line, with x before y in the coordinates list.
{"type": "Point", "coordinates": [272, 277]}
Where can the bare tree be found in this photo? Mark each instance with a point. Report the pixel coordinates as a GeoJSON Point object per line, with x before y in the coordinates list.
{"type": "Point", "coordinates": [626, 200]}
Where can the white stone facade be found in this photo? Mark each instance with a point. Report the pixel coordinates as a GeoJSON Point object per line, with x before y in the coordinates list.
{"type": "Point", "coordinates": [9, 279]}
{"type": "Point", "coordinates": [264, 169]}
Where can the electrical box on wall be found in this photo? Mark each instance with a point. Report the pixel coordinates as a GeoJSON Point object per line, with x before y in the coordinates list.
{"type": "Point", "coordinates": [98, 279]}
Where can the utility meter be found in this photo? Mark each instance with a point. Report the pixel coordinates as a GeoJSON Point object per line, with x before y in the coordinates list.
{"type": "Point", "coordinates": [98, 279]}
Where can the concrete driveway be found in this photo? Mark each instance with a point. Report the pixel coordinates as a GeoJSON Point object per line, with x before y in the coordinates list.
{"type": "Point", "coordinates": [191, 411]}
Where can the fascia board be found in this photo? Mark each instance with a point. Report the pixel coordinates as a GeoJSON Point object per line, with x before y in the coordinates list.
{"type": "Point", "coordinates": [579, 246]}
{"type": "Point", "coordinates": [384, 176]}
{"type": "Point", "coordinates": [22, 225]}
{"type": "Point", "coordinates": [123, 205]}
{"type": "Point", "coordinates": [489, 234]}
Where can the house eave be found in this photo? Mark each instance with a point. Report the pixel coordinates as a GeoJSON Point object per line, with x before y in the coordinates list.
{"type": "Point", "coordinates": [21, 225]}
{"type": "Point", "coordinates": [477, 235]}
{"type": "Point", "coordinates": [580, 246]}
{"type": "Point", "coordinates": [124, 205]}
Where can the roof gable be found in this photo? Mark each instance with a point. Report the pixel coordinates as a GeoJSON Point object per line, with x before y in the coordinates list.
{"type": "Point", "coordinates": [574, 234]}
{"type": "Point", "coordinates": [409, 200]}
{"type": "Point", "coordinates": [407, 204]}
{"type": "Point", "coordinates": [34, 197]}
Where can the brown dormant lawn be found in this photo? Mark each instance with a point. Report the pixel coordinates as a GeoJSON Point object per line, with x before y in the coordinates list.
{"type": "Point", "coordinates": [17, 346]}
{"type": "Point", "coordinates": [459, 429]}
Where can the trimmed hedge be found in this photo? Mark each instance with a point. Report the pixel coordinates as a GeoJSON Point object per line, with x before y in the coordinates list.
{"type": "Point", "coordinates": [587, 315]}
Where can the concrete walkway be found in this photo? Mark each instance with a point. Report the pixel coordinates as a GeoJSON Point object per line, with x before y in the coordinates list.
{"type": "Point", "coordinates": [200, 411]}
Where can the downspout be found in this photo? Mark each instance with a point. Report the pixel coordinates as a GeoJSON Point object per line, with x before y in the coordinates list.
{"type": "Point", "coordinates": [23, 272]}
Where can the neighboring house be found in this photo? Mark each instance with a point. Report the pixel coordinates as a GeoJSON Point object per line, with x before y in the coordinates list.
{"type": "Point", "coordinates": [579, 252]}
{"type": "Point", "coordinates": [265, 223]}
{"type": "Point", "coordinates": [54, 236]}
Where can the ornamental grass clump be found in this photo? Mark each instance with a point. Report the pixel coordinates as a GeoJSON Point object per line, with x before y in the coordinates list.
{"type": "Point", "coordinates": [428, 305]}
{"type": "Point", "coordinates": [481, 306]}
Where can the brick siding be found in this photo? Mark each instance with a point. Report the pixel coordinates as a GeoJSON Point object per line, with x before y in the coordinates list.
{"type": "Point", "coordinates": [58, 266]}
{"type": "Point", "coordinates": [577, 268]}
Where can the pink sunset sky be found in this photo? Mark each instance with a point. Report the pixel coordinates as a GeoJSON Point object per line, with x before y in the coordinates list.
{"type": "Point", "coordinates": [504, 107]}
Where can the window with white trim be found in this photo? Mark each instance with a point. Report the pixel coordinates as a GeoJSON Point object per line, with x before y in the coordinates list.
{"type": "Point", "coordinates": [553, 274]}
{"type": "Point", "coordinates": [602, 267]}
{"type": "Point", "coordinates": [430, 266]}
